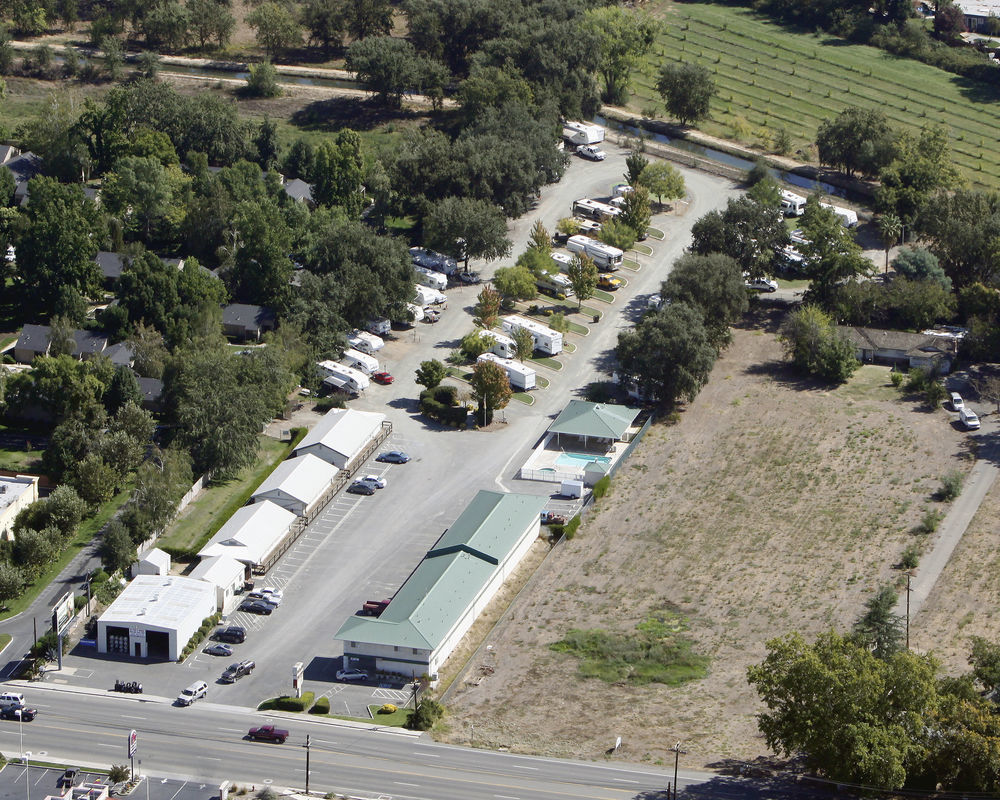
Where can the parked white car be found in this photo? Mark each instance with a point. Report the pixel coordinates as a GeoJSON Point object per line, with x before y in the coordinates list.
{"type": "Point", "coordinates": [957, 403]}
{"type": "Point", "coordinates": [374, 480]}
{"type": "Point", "coordinates": [762, 285]}
{"type": "Point", "coordinates": [591, 151]}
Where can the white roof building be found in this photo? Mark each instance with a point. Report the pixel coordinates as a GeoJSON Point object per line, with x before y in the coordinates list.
{"type": "Point", "coordinates": [153, 562]}
{"type": "Point", "coordinates": [226, 575]}
{"type": "Point", "coordinates": [252, 534]}
{"type": "Point", "coordinates": [343, 437]}
{"type": "Point", "coordinates": [155, 616]}
{"type": "Point", "coordinates": [297, 484]}
{"type": "Point", "coordinates": [16, 493]}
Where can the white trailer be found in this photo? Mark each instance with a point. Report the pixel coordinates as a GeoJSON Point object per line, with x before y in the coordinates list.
{"type": "Point", "coordinates": [378, 327]}
{"type": "Point", "coordinates": [521, 377]}
{"type": "Point", "coordinates": [546, 340]}
{"type": "Point", "coordinates": [428, 277]}
{"type": "Point", "coordinates": [794, 205]}
{"type": "Point", "coordinates": [848, 218]}
{"type": "Point", "coordinates": [431, 259]}
{"type": "Point", "coordinates": [503, 346]}
{"type": "Point", "coordinates": [359, 361]}
{"type": "Point", "coordinates": [416, 311]}
{"type": "Point", "coordinates": [605, 256]}
{"type": "Point", "coordinates": [594, 209]}
{"type": "Point", "coordinates": [365, 342]}
{"type": "Point", "coordinates": [578, 133]}
{"type": "Point", "coordinates": [426, 296]}
{"type": "Point", "coordinates": [352, 379]}
{"type": "Point", "coordinates": [562, 261]}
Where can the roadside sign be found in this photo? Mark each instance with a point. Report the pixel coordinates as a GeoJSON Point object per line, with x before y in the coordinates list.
{"type": "Point", "coordinates": [133, 743]}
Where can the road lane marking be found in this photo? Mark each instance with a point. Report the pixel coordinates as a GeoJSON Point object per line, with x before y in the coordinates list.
{"type": "Point", "coordinates": [624, 780]}
{"type": "Point", "coordinates": [507, 797]}
{"type": "Point", "coordinates": [402, 783]}
{"type": "Point", "coordinates": [129, 716]}
{"type": "Point", "coordinates": [520, 766]}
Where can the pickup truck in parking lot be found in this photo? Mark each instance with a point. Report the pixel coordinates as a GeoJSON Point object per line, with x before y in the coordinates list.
{"type": "Point", "coordinates": [236, 671]}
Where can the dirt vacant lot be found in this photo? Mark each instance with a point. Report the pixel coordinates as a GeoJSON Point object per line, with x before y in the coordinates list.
{"type": "Point", "coordinates": [772, 505]}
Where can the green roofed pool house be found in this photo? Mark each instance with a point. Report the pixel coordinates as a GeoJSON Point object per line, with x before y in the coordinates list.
{"type": "Point", "coordinates": [449, 589]}
{"type": "Point", "coordinates": [582, 443]}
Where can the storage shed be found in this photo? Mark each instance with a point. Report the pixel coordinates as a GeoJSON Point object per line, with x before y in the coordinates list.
{"type": "Point", "coordinates": [152, 562]}
{"type": "Point", "coordinates": [345, 437]}
{"type": "Point", "coordinates": [299, 484]}
{"type": "Point", "coordinates": [226, 574]}
{"type": "Point", "coordinates": [254, 536]}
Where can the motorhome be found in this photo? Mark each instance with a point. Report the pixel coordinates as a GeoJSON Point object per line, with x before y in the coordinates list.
{"type": "Point", "coordinates": [365, 342]}
{"type": "Point", "coordinates": [792, 204]}
{"type": "Point", "coordinates": [593, 209]}
{"type": "Point", "coordinates": [428, 277]}
{"type": "Point", "coordinates": [502, 346]}
{"type": "Point", "coordinates": [415, 311]}
{"type": "Point", "coordinates": [848, 218]}
{"type": "Point", "coordinates": [562, 261]}
{"type": "Point", "coordinates": [521, 377]}
{"type": "Point", "coordinates": [426, 296]}
{"type": "Point", "coordinates": [546, 340]}
{"type": "Point", "coordinates": [578, 133]}
{"type": "Point", "coordinates": [343, 377]}
{"type": "Point", "coordinates": [606, 257]}
{"type": "Point", "coordinates": [556, 284]}
{"type": "Point", "coordinates": [359, 361]}
{"type": "Point", "coordinates": [429, 259]}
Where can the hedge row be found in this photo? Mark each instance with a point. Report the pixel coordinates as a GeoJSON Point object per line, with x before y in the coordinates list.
{"type": "Point", "coordinates": [207, 626]}
{"type": "Point", "coordinates": [286, 703]}
{"type": "Point", "coordinates": [441, 403]}
{"type": "Point", "coordinates": [321, 706]}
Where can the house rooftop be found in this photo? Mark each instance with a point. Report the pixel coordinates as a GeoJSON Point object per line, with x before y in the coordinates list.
{"type": "Point", "coordinates": [601, 420]}
{"type": "Point", "coordinates": [247, 316]}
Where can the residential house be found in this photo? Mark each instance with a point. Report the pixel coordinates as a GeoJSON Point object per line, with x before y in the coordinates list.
{"type": "Point", "coordinates": [24, 167]}
{"type": "Point", "coordinates": [244, 322]}
{"type": "Point", "coordinates": [300, 191]}
{"type": "Point", "coordinates": [901, 349]}
{"type": "Point", "coordinates": [34, 341]}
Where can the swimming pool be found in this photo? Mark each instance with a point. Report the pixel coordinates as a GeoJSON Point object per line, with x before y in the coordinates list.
{"type": "Point", "coordinates": [579, 460]}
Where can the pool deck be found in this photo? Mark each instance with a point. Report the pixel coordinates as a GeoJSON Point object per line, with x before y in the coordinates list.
{"type": "Point", "coordinates": [541, 464]}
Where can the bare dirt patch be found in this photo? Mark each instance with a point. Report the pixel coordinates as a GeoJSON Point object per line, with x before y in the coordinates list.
{"type": "Point", "coordinates": [774, 505]}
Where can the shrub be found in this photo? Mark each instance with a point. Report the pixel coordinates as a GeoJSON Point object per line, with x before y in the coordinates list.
{"type": "Point", "coordinates": [118, 773]}
{"type": "Point", "coordinates": [569, 531]}
{"type": "Point", "coordinates": [287, 703]}
{"type": "Point", "coordinates": [388, 708]}
{"type": "Point", "coordinates": [263, 80]}
{"type": "Point", "coordinates": [446, 412]}
{"type": "Point", "coordinates": [896, 379]}
{"type": "Point", "coordinates": [321, 706]}
{"type": "Point", "coordinates": [951, 486]}
{"type": "Point", "coordinates": [99, 576]}
{"type": "Point", "coordinates": [601, 487]}
{"type": "Point", "coordinates": [335, 400]}
{"type": "Point", "coordinates": [930, 522]}
{"type": "Point", "coordinates": [916, 381]}
{"type": "Point", "coordinates": [910, 557]}
{"type": "Point", "coordinates": [428, 712]}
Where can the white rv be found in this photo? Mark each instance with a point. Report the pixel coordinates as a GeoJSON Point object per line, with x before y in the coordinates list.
{"type": "Point", "coordinates": [792, 204]}
{"type": "Point", "coordinates": [426, 296]}
{"type": "Point", "coordinates": [378, 327]}
{"type": "Point", "coordinates": [593, 209]}
{"type": "Point", "coordinates": [365, 342]}
{"type": "Point", "coordinates": [359, 361]}
{"type": "Point", "coordinates": [848, 218]}
{"type": "Point", "coordinates": [428, 277]}
{"type": "Point", "coordinates": [546, 340]}
{"type": "Point", "coordinates": [606, 257]}
{"type": "Point", "coordinates": [416, 311]}
{"type": "Point", "coordinates": [520, 376]}
{"type": "Point", "coordinates": [562, 261]}
{"type": "Point", "coordinates": [578, 133]}
{"type": "Point", "coordinates": [343, 377]}
{"type": "Point", "coordinates": [555, 284]}
{"type": "Point", "coordinates": [503, 346]}
{"type": "Point", "coordinates": [429, 259]}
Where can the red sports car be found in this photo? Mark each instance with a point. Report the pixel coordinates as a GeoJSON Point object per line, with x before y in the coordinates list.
{"type": "Point", "coordinates": [383, 377]}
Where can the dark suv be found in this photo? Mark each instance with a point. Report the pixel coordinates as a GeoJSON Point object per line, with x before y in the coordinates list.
{"type": "Point", "coordinates": [234, 634]}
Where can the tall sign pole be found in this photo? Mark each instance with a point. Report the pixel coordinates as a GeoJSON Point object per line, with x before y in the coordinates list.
{"type": "Point", "coordinates": [133, 746]}
{"type": "Point", "coordinates": [306, 745]}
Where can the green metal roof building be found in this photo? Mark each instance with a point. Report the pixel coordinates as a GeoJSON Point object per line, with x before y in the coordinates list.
{"type": "Point", "coordinates": [601, 421]}
{"type": "Point", "coordinates": [451, 586]}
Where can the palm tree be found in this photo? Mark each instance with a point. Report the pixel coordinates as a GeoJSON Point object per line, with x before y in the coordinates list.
{"type": "Point", "coordinates": [890, 227]}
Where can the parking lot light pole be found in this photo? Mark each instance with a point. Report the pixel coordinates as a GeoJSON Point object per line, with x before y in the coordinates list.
{"type": "Point", "coordinates": [27, 777]}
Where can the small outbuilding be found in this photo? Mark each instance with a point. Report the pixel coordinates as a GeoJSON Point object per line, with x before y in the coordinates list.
{"type": "Point", "coordinates": [227, 575]}
{"type": "Point", "coordinates": [299, 484]}
{"type": "Point", "coordinates": [17, 492]}
{"type": "Point", "coordinates": [593, 424]}
{"type": "Point", "coordinates": [345, 437]}
{"type": "Point", "coordinates": [255, 536]}
{"type": "Point", "coordinates": [155, 617]}
{"type": "Point", "coordinates": [152, 562]}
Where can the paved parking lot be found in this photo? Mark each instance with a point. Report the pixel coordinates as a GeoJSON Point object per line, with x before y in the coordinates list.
{"type": "Point", "coordinates": [42, 781]}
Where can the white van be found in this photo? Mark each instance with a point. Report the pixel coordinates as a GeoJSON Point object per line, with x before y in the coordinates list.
{"type": "Point", "coordinates": [8, 699]}
{"type": "Point", "coordinates": [195, 691]}
{"type": "Point", "coordinates": [969, 419]}
{"type": "Point", "coordinates": [359, 361]}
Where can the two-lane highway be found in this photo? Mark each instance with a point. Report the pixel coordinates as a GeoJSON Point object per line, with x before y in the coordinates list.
{"type": "Point", "coordinates": [206, 741]}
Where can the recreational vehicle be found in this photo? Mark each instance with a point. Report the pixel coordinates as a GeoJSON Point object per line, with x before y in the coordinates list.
{"type": "Point", "coordinates": [521, 377]}
{"type": "Point", "coordinates": [359, 361]}
{"type": "Point", "coordinates": [546, 340]}
{"type": "Point", "coordinates": [792, 204]}
{"type": "Point", "coordinates": [365, 342]}
{"type": "Point", "coordinates": [428, 277]}
{"type": "Point", "coordinates": [426, 296]}
{"type": "Point", "coordinates": [593, 209]}
{"type": "Point", "coordinates": [606, 257]}
{"type": "Point", "coordinates": [556, 284]}
{"type": "Point", "coordinates": [502, 346]}
{"type": "Point", "coordinates": [344, 377]}
{"type": "Point", "coordinates": [578, 133]}
{"type": "Point", "coordinates": [848, 218]}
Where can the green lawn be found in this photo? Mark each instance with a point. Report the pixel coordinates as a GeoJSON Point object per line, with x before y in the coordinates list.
{"type": "Point", "coordinates": [796, 284]}
{"type": "Point", "coordinates": [88, 528]}
{"type": "Point", "coordinates": [524, 397]}
{"type": "Point", "coordinates": [545, 361]}
{"type": "Point", "coordinates": [631, 264]}
{"type": "Point", "coordinates": [569, 347]}
{"type": "Point", "coordinates": [645, 249]}
{"type": "Point", "coordinates": [541, 382]}
{"type": "Point", "coordinates": [603, 296]}
{"type": "Point", "coordinates": [770, 77]}
{"type": "Point", "coordinates": [656, 233]}
{"type": "Point", "coordinates": [208, 513]}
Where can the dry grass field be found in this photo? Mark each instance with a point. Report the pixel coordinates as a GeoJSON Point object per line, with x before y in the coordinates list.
{"type": "Point", "coordinates": [773, 505]}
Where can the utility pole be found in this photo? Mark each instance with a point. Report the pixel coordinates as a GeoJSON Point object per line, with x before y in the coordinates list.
{"type": "Point", "coordinates": [27, 776]}
{"type": "Point", "coordinates": [677, 756]}
{"type": "Point", "coordinates": [909, 576]}
{"type": "Point", "coordinates": [306, 746]}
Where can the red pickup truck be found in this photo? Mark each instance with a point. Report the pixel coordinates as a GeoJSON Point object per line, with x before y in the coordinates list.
{"type": "Point", "coordinates": [268, 733]}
